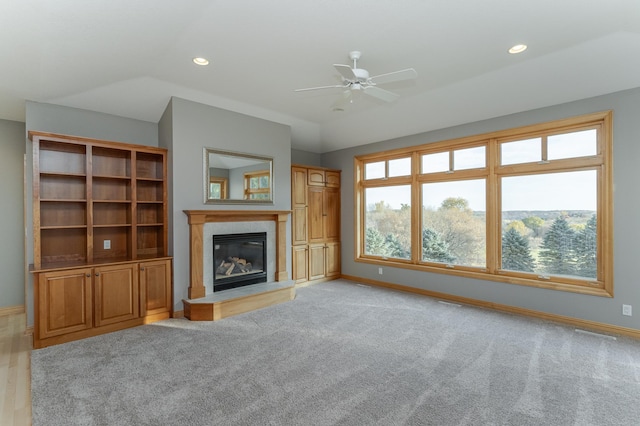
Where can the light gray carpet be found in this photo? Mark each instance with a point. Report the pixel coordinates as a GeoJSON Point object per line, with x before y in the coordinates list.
{"type": "Point", "coordinates": [342, 354]}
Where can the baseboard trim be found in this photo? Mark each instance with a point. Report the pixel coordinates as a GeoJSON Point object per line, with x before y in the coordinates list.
{"type": "Point", "coordinates": [577, 322]}
{"type": "Point", "coordinates": [11, 310]}
{"type": "Point", "coordinates": [178, 314]}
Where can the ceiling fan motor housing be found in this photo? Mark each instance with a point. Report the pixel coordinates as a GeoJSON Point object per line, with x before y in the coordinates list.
{"type": "Point", "coordinates": [361, 75]}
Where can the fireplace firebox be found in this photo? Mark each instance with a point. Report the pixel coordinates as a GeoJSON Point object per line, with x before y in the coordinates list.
{"type": "Point", "coordinates": [239, 260]}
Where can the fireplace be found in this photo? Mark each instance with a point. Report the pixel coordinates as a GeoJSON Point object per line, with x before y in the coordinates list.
{"type": "Point", "coordinates": [239, 260]}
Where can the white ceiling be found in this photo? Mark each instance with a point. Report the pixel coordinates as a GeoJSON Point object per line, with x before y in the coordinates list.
{"type": "Point", "coordinates": [128, 58]}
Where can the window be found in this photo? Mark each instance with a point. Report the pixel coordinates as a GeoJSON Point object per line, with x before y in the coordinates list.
{"type": "Point", "coordinates": [529, 206]}
{"type": "Point", "coordinates": [387, 208]}
{"type": "Point", "coordinates": [218, 188]}
{"type": "Point", "coordinates": [388, 227]}
{"type": "Point", "coordinates": [257, 185]}
{"type": "Point", "coordinates": [454, 222]}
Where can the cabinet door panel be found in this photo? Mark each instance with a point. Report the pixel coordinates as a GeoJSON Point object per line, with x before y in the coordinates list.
{"type": "Point", "coordinates": [332, 179]}
{"type": "Point", "coordinates": [300, 264]}
{"type": "Point", "coordinates": [316, 214]}
{"type": "Point", "coordinates": [155, 287]}
{"type": "Point", "coordinates": [64, 302]}
{"type": "Point", "coordinates": [299, 228]}
{"type": "Point", "coordinates": [333, 259]}
{"type": "Point", "coordinates": [116, 296]}
{"type": "Point", "coordinates": [315, 177]}
{"type": "Point", "coordinates": [298, 186]}
{"type": "Point", "coordinates": [331, 215]}
{"type": "Point", "coordinates": [317, 261]}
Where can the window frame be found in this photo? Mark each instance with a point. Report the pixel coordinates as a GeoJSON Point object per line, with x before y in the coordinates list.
{"type": "Point", "coordinates": [248, 191]}
{"type": "Point", "coordinates": [494, 172]}
{"type": "Point", "coordinates": [223, 182]}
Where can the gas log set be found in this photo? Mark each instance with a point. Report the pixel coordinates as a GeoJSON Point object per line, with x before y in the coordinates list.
{"type": "Point", "coordinates": [234, 265]}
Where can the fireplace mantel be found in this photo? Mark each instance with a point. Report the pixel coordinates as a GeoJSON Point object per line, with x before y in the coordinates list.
{"type": "Point", "coordinates": [197, 219]}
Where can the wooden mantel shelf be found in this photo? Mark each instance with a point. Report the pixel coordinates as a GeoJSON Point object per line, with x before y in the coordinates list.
{"type": "Point", "coordinates": [197, 219]}
{"type": "Point", "coordinates": [208, 216]}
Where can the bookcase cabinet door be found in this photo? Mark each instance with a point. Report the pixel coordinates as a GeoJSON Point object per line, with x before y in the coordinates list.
{"type": "Point", "coordinates": [155, 287]}
{"type": "Point", "coordinates": [116, 296]}
{"type": "Point", "coordinates": [65, 302]}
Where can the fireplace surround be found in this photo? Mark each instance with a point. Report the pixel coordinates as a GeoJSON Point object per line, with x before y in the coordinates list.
{"type": "Point", "coordinates": [197, 219]}
{"type": "Point", "coordinates": [279, 288]}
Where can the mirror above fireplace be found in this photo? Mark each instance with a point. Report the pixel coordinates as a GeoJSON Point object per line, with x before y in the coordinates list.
{"type": "Point", "coordinates": [237, 178]}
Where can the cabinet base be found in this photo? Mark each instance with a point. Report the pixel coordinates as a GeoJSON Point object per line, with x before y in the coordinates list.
{"type": "Point", "coordinates": [70, 337]}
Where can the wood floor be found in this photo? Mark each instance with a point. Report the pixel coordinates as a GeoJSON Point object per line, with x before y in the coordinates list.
{"type": "Point", "coordinates": [15, 371]}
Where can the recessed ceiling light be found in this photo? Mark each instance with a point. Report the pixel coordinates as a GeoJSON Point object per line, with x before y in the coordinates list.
{"type": "Point", "coordinates": [200, 61]}
{"type": "Point", "coordinates": [518, 48]}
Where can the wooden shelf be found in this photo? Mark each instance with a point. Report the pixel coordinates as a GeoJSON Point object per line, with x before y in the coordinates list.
{"type": "Point", "coordinates": [62, 174]}
{"type": "Point", "coordinates": [64, 227]}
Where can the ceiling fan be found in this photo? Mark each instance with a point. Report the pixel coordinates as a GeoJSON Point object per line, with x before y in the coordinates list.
{"type": "Point", "coordinates": [357, 80]}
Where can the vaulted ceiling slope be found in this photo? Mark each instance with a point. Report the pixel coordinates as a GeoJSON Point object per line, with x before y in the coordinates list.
{"type": "Point", "coordinates": [129, 57]}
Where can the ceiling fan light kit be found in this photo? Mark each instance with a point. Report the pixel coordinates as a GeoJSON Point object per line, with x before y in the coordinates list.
{"type": "Point", "coordinates": [357, 80]}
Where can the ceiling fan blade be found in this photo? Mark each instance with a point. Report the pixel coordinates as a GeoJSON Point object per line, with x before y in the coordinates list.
{"type": "Point", "coordinates": [389, 77]}
{"type": "Point", "coordinates": [320, 87]}
{"type": "Point", "coordinates": [381, 94]}
{"type": "Point", "coordinates": [346, 72]}
{"type": "Point", "coordinates": [342, 100]}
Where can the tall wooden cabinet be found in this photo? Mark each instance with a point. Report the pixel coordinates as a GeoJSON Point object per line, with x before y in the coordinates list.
{"type": "Point", "coordinates": [100, 237]}
{"type": "Point", "coordinates": [315, 205]}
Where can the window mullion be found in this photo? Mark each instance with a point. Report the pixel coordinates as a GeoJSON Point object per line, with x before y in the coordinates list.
{"type": "Point", "coordinates": [493, 217]}
{"type": "Point", "coordinates": [545, 151]}
{"type": "Point", "coordinates": [416, 209]}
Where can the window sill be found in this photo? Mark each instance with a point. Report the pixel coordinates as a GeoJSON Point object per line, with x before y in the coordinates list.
{"type": "Point", "coordinates": [486, 276]}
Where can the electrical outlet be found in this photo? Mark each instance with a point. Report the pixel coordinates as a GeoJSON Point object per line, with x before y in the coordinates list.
{"type": "Point", "coordinates": [107, 244]}
{"type": "Point", "coordinates": [626, 310]}
{"type": "Point", "coordinates": [380, 271]}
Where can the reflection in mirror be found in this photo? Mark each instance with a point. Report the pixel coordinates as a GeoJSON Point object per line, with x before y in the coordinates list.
{"type": "Point", "coordinates": [232, 177]}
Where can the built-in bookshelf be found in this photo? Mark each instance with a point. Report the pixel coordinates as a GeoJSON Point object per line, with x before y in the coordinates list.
{"type": "Point", "coordinates": [100, 236]}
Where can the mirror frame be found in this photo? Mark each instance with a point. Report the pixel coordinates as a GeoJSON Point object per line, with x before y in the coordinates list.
{"type": "Point", "coordinates": [207, 152]}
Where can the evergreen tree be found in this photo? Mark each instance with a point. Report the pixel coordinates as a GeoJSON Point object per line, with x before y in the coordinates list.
{"type": "Point", "coordinates": [394, 247]}
{"type": "Point", "coordinates": [515, 252]}
{"type": "Point", "coordinates": [434, 248]}
{"type": "Point", "coordinates": [557, 254]}
{"type": "Point", "coordinates": [374, 243]}
{"type": "Point", "coordinates": [586, 250]}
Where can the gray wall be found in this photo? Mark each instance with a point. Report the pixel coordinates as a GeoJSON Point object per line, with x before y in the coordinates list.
{"type": "Point", "coordinates": [76, 122]}
{"type": "Point", "coordinates": [306, 158]}
{"type": "Point", "coordinates": [626, 147]}
{"type": "Point", "coordinates": [12, 265]}
{"type": "Point", "coordinates": [188, 127]}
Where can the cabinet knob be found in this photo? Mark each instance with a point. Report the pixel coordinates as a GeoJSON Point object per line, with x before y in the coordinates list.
{"type": "Point", "coordinates": [97, 274]}
{"type": "Point", "coordinates": [88, 275]}
{"type": "Point", "coordinates": [142, 268]}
